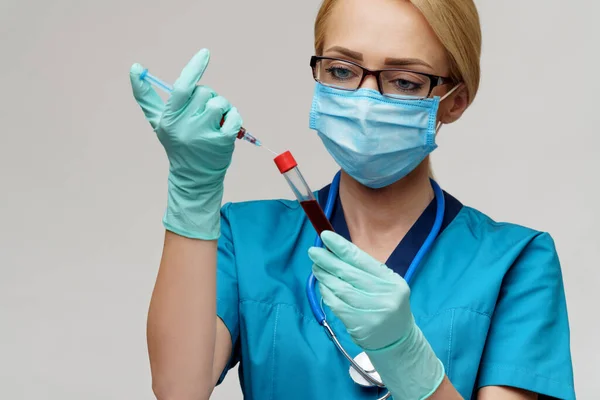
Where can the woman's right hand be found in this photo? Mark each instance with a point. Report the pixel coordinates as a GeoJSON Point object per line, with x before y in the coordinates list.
{"type": "Point", "coordinates": [198, 147]}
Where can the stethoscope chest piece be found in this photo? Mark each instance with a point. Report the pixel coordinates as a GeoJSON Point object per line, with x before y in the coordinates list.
{"type": "Point", "coordinates": [365, 363]}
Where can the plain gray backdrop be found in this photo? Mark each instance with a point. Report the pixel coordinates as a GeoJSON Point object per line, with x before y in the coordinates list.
{"type": "Point", "coordinates": [83, 178]}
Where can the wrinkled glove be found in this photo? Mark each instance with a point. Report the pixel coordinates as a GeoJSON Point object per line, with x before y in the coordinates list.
{"type": "Point", "coordinates": [198, 148]}
{"type": "Point", "coordinates": [373, 302]}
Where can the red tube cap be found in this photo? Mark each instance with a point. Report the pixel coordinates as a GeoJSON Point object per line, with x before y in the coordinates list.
{"type": "Point", "coordinates": [285, 161]}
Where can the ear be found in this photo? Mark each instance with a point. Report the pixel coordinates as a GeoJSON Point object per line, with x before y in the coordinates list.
{"type": "Point", "coordinates": [453, 107]}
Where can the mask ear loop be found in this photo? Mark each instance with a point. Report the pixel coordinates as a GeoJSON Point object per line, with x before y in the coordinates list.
{"type": "Point", "coordinates": [439, 124]}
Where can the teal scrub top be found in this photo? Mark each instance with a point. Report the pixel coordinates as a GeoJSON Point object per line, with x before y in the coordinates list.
{"type": "Point", "coordinates": [488, 297]}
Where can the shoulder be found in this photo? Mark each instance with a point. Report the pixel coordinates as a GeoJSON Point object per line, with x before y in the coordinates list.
{"type": "Point", "coordinates": [498, 249]}
{"type": "Point", "coordinates": [500, 235]}
{"type": "Point", "coordinates": [262, 217]}
{"type": "Point", "coordinates": [496, 255]}
{"type": "Point", "coordinates": [259, 208]}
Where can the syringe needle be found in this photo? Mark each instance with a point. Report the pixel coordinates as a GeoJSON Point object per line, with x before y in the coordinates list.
{"type": "Point", "coordinates": [262, 145]}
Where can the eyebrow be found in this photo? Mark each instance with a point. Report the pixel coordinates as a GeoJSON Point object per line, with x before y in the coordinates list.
{"type": "Point", "coordinates": [396, 62]}
{"type": "Point", "coordinates": [346, 52]}
{"type": "Point", "coordinates": [402, 62]}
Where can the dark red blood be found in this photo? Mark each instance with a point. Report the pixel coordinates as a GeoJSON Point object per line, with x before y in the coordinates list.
{"type": "Point", "coordinates": [317, 217]}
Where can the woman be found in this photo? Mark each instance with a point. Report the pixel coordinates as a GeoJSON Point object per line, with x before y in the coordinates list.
{"type": "Point", "coordinates": [485, 316]}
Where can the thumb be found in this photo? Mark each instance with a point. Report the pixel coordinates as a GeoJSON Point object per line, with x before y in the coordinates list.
{"type": "Point", "coordinates": [145, 95]}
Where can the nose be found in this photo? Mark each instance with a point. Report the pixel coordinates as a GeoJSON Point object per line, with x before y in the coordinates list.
{"type": "Point", "coordinates": [369, 82]}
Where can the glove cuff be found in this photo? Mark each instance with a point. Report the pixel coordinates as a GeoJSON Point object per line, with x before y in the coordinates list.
{"type": "Point", "coordinates": [183, 226]}
{"type": "Point", "coordinates": [409, 368]}
{"type": "Point", "coordinates": [196, 216]}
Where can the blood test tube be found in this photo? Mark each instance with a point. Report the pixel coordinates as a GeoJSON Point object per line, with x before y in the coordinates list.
{"type": "Point", "coordinates": [288, 167]}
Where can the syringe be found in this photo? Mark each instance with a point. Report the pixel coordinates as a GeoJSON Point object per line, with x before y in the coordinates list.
{"type": "Point", "coordinates": [167, 88]}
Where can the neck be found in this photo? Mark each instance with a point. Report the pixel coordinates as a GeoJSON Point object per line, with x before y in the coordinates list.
{"type": "Point", "coordinates": [376, 215]}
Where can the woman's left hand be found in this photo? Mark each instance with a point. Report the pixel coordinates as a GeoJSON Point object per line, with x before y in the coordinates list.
{"type": "Point", "coordinates": [368, 297]}
{"type": "Point", "coordinates": [373, 303]}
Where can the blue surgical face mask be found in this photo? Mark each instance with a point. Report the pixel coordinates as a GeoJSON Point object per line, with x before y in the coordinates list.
{"type": "Point", "coordinates": [375, 139]}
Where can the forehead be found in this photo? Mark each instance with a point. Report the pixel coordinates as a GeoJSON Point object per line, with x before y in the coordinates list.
{"type": "Point", "coordinates": [381, 29]}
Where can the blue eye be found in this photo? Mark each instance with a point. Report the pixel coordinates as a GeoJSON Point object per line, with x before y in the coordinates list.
{"type": "Point", "coordinates": [405, 85]}
{"type": "Point", "coordinates": [401, 82]}
{"type": "Point", "coordinates": [340, 73]}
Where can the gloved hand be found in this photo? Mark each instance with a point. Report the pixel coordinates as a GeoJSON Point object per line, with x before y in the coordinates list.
{"type": "Point", "coordinates": [198, 148]}
{"type": "Point", "coordinates": [373, 302]}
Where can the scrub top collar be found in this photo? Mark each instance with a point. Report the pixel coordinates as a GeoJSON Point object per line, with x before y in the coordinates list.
{"type": "Point", "coordinates": [407, 249]}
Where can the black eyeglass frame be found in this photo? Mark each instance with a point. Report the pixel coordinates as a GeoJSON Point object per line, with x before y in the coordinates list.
{"type": "Point", "coordinates": [434, 80]}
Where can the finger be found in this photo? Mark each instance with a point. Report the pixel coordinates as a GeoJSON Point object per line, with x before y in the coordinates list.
{"type": "Point", "coordinates": [145, 95]}
{"type": "Point", "coordinates": [199, 99]}
{"type": "Point", "coordinates": [233, 122]}
{"type": "Point", "coordinates": [354, 256]}
{"type": "Point", "coordinates": [185, 85]}
{"type": "Point", "coordinates": [331, 300]}
{"type": "Point", "coordinates": [215, 109]}
{"type": "Point", "coordinates": [341, 310]}
{"type": "Point", "coordinates": [346, 292]}
{"type": "Point", "coordinates": [336, 267]}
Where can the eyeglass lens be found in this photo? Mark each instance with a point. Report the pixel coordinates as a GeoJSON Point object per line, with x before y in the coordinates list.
{"type": "Point", "coordinates": [393, 83]}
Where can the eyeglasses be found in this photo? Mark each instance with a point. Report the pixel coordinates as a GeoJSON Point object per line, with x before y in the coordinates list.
{"type": "Point", "coordinates": [394, 83]}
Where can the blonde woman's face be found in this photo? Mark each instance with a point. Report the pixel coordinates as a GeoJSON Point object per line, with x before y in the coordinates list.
{"type": "Point", "coordinates": [379, 34]}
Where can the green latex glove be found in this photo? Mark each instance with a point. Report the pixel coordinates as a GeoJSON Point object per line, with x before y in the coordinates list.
{"type": "Point", "coordinates": [198, 148]}
{"type": "Point", "coordinates": [373, 302]}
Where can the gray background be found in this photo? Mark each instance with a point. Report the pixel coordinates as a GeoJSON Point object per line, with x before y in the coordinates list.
{"type": "Point", "coordinates": [83, 178]}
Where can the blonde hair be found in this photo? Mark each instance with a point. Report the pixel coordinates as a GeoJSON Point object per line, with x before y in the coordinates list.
{"type": "Point", "coordinates": [456, 24]}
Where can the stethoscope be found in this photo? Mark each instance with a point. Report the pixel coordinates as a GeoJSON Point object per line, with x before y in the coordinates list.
{"type": "Point", "coordinates": [361, 368]}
